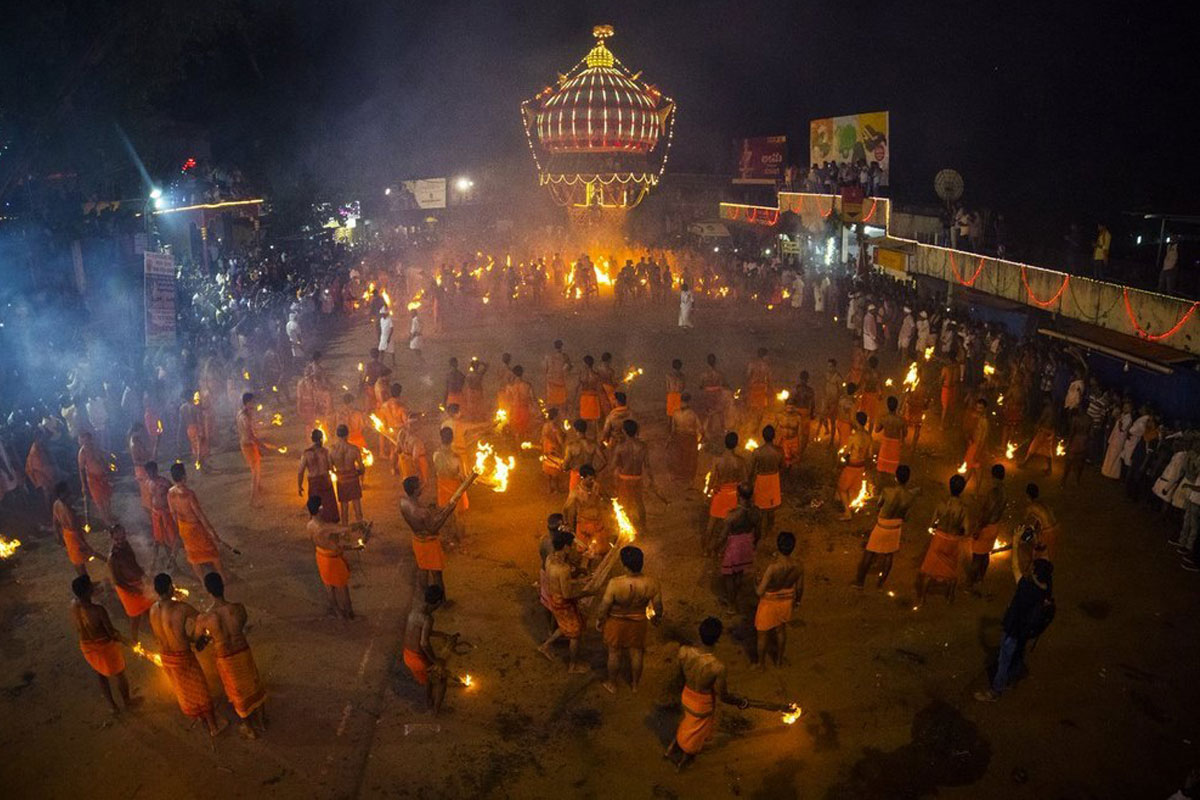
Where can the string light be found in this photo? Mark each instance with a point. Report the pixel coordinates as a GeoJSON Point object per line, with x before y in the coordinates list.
{"type": "Point", "coordinates": [1156, 337]}
{"type": "Point", "coordinates": [1052, 300]}
{"type": "Point", "coordinates": [959, 278]}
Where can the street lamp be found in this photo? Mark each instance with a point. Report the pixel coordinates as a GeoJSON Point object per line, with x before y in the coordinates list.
{"type": "Point", "coordinates": [464, 184]}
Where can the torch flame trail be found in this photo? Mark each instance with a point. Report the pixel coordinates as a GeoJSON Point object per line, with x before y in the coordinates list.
{"type": "Point", "coordinates": [8, 547]}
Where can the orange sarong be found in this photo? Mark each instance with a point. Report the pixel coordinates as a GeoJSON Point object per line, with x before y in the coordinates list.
{"type": "Point", "coordinates": [941, 559]}
{"type": "Point", "coordinates": [791, 450]}
{"type": "Point", "coordinates": [429, 554]}
{"type": "Point", "coordinates": [99, 488]}
{"type": "Point", "coordinates": [143, 482]}
{"type": "Point", "coordinates": [626, 632]}
{"type": "Point", "coordinates": [252, 455]}
{"type": "Point", "coordinates": [774, 609]}
{"type": "Point", "coordinates": [133, 601]}
{"type": "Point", "coordinates": [629, 491]}
{"type": "Point", "coordinates": [418, 665]}
{"type": "Point", "coordinates": [197, 544]}
{"type": "Point", "coordinates": [104, 656]}
{"type": "Point", "coordinates": [572, 480]}
{"type": "Point", "coordinates": [766, 491]}
{"type": "Point", "coordinates": [322, 486]}
{"type": "Point", "coordinates": [699, 720]}
{"type": "Point", "coordinates": [868, 403]}
{"type": "Point", "coordinates": [243, 686]}
{"type": "Point", "coordinates": [889, 455]}
{"type": "Point", "coordinates": [556, 394]}
{"type": "Point", "coordinates": [567, 616]}
{"type": "Point", "coordinates": [163, 527]}
{"type": "Point", "coordinates": [589, 405]}
{"type": "Point", "coordinates": [73, 541]}
{"type": "Point", "coordinates": [446, 488]}
{"type": "Point", "coordinates": [885, 536]}
{"type": "Point", "coordinates": [333, 567]}
{"type": "Point", "coordinates": [758, 396]}
{"type": "Point", "coordinates": [851, 477]}
{"type": "Point", "coordinates": [724, 501]}
{"type": "Point", "coordinates": [975, 455]}
{"type": "Point", "coordinates": [983, 544]}
{"type": "Point", "coordinates": [187, 679]}
{"type": "Point", "coordinates": [349, 488]}
{"type": "Point", "coordinates": [673, 401]}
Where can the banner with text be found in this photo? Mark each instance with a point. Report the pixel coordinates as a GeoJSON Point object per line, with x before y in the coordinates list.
{"type": "Point", "coordinates": [853, 138]}
{"type": "Point", "coordinates": [424, 193]}
{"type": "Point", "coordinates": [160, 299]}
{"type": "Point", "coordinates": [761, 159]}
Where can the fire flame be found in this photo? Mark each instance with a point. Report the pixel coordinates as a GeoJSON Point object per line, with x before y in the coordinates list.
{"type": "Point", "coordinates": [632, 373]}
{"type": "Point", "coordinates": [929, 352]}
{"type": "Point", "coordinates": [149, 655]}
{"type": "Point", "coordinates": [864, 494]}
{"type": "Point", "coordinates": [783, 395]}
{"type": "Point", "coordinates": [888, 382]}
{"type": "Point", "coordinates": [501, 417]}
{"type": "Point", "coordinates": [1060, 449]}
{"type": "Point", "coordinates": [962, 468]}
{"type": "Point", "coordinates": [387, 299]}
{"type": "Point", "coordinates": [195, 398]}
{"type": "Point", "coordinates": [989, 370]}
{"type": "Point", "coordinates": [708, 491]}
{"type": "Point", "coordinates": [360, 366]}
{"type": "Point", "coordinates": [912, 378]}
{"type": "Point", "coordinates": [8, 547]}
{"type": "Point", "coordinates": [625, 529]}
{"type": "Point", "coordinates": [751, 445]}
{"type": "Point", "coordinates": [467, 681]}
{"type": "Point", "coordinates": [792, 714]}
{"type": "Point", "coordinates": [158, 426]}
{"type": "Point", "coordinates": [497, 475]}
{"type": "Point", "coordinates": [368, 458]}
{"type": "Point", "coordinates": [1000, 400]}
{"type": "Point", "coordinates": [526, 445]}
{"type": "Point", "coordinates": [1010, 450]}
{"type": "Point", "coordinates": [277, 419]}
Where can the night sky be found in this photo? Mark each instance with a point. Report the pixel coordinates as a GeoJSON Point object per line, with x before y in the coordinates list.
{"type": "Point", "coordinates": [1057, 109]}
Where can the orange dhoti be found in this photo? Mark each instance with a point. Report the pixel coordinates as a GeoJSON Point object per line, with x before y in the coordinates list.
{"type": "Point", "coordinates": [321, 486]}
{"type": "Point", "coordinates": [842, 427]}
{"type": "Point", "coordinates": [333, 567]}
{"type": "Point", "coordinates": [975, 455]}
{"type": "Point", "coordinates": [429, 554]}
{"type": "Point", "coordinates": [239, 676]}
{"type": "Point", "coordinates": [199, 546]}
{"type": "Point", "coordinates": [104, 656]}
{"type": "Point", "coordinates": [889, 455]}
{"type": "Point", "coordinates": [455, 399]}
{"type": "Point", "coordinates": [418, 665]}
{"type": "Point", "coordinates": [774, 609]}
{"type": "Point", "coordinates": [163, 527]}
{"type": "Point", "coordinates": [629, 491]}
{"type": "Point", "coordinates": [591, 537]}
{"type": "Point", "coordinates": [187, 679]}
{"type": "Point", "coordinates": [198, 441]}
{"type": "Point", "coordinates": [252, 455]}
{"type": "Point", "coordinates": [73, 541]}
{"type": "Point", "coordinates": [673, 401]}
{"type": "Point", "coordinates": [851, 478]}
{"type": "Point", "coordinates": [99, 488]}
{"type": "Point", "coordinates": [626, 632]}
{"type": "Point", "coordinates": [868, 403]}
{"type": "Point", "coordinates": [941, 559]}
{"type": "Point", "coordinates": [143, 482]}
{"type": "Point", "coordinates": [684, 456]}
{"type": "Point", "coordinates": [724, 501]}
{"type": "Point", "coordinates": [551, 464]}
{"type": "Point", "coordinates": [982, 544]}
{"type": "Point", "coordinates": [566, 616]}
{"type": "Point", "coordinates": [446, 487]}
{"type": "Point", "coordinates": [699, 720]}
{"type": "Point", "coordinates": [791, 451]}
{"type": "Point", "coordinates": [885, 536]}
{"type": "Point", "coordinates": [947, 397]}
{"type": "Point", "coordinates": [758, 396]}
{"type": "Point", "coordinates": [1042, 444]}
{"type": "Point", "coordinates": [556, 394]}
{"type": "Point", "coordinates": [522, 421]}
{"type": "Point", "coordinates": [589, 405]}
{"type": "Point", "coordinates": [572, 480]}
{"type": "Point", "coordinates": [349, 488]}
{"type": "Point", "coordinates": [133, 601]}
{"type": "Point", "coordinates": [766, 491]}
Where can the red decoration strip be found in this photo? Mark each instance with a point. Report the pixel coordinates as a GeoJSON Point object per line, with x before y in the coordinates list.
{"type": "Point", "coordinates": [959, 278]}
{"type": "Point", "coordinates": [764, 216]}
{"type": "Point", "coordinates": [1052, 300]}
{"type": "Point", "coordinates": [874, 203]}
{"type": "Point", "coordinates": [825, 214]}
{"type": "Point", "coordinates": [1155, 337]}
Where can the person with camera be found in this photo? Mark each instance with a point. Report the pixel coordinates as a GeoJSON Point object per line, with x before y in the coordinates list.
{"type": "Point", "coordinates": [1029, 614]}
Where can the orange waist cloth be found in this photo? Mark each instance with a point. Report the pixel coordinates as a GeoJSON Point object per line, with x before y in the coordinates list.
{"type": "Point", "coordinates": [766, 491]}
{"type": "Point", "coordinates": [243, 686]}
{"type": "Point", "coordinates": [790, 445]}
{"type": "Point", "coordinates": [673, 401]}
{"type": "Point", "coordinates": [975, 455]}
{"type": "Point", "coordinates": [983, 544]}
{"type": "Point", "coordinates": [885, 536]}
{"type": "Point", "coordinates": [73, 541]}
{"type": "Point", "coordinates": [699, 720]}
{"type": "Point", "coordinates": [843, 430]}
{"type": "Point", "coordinates": [850, 478]}
{"type": "Point", "coordinates": [349, 488]}
{"type": "Point", "coordinates": [104, 656]}
{"type": "Point", "coordinates": [868, 403]}
{"type": "Point", "coordinates": [889, 455]}
{"type": "Point", "coordinates": [622, 632]}
{"type": "Point", "coordinates": [724, 501]}
{"type": "Point", "coordinates": [252, 455]}
{"type": "Point", "coordinates": [163, 528]}
{"type": "Point", "coordinates": [572, 480]}
{"type": "Point", "coordinates": [322, 486]}
{"type": "Point", "coordinates": [629, 490]}
{"type": "Point", "coordinates": [333, 567]}
{"type": "Point", "coordinates": [197, 544]}
{"type": "Point", "coordinates": [758, 395]}
{"type": "Point", "coordinates": [774, 609]}
{"type": "Point", "coordinates": [187, 679]}
{"type": "Point", "coordinates": [589, 405]}
{"type": "Point", "coordinates": [556, 394]}
{"type": "Point", "coordinates": [143, 482]}
{"type": "Point", "coordinates": [133, 601]}
{"type": "Point", "coordinates": [418, 665]}
{"type": "Point", "coordinates": [429, 554]}
{"type": "Point", "coordinates": [941, 559]}
{"type": "Point", "coordinates": [99, 487]}
{"type": "Point", "coordinates": [567, 616]}
{"type": "Point", "coordinates": [445, 488]}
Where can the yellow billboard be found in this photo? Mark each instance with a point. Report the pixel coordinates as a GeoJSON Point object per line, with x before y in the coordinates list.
{"type": "Point", "coordinates": [852, 138]}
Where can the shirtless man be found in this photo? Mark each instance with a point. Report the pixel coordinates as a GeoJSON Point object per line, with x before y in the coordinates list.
{"type": "Point", "coordinates": [247, 430]}
{"type": "Point", "coordinates": [373, 370]}
{"type": "Point", "coordinates": [225, 623]}
{"type": "Point", "coordinates": [891, 427]}
{"type": "Point", "coordinates": [805, 401]}
{"type": "Point", "coordinates": [857, 453]}
{"type": "Point", "coordinates": [758, 386]}
{"type": "Point", "coordinates": [704, 684]}
{"type": "Point", "coordinates": [884, 541]}
{"type": "Point", "coordinates": [557, 365]}
{"type": "Point", "coordinates": [192, 425]}
{"type": "Point", "coordinates": [473, 405]}
{"type": "Point", "coordinates": [327, 538]}
{"type": "Point", "coordinates": [727, 472]}
{"type": "Point", "coordinates": [632, 461]}
{"type": "Point", "coordinates": [976, 456]}
{"type": "Point", "coordinates": [779, 591]}
{"type": "Point", "coordinates": [950, 525]}
{"type": "Point", "coordinates": [522, 404]}
{"type": "Point", "coordinates": [830, 395]}
{"type": "Point", "coordinates": [987, 527]}
{"type": "Point", "coordinates": [712, 388]}
{"type": "Point", "coordinates": [128, 578]}
{"type": "Point", "coordinates": [607, 374]}
{"type": "Point", "coordinates": [346, 461]}
{"type": "Point", "coordinates": [553, 452]}
{"type": "Point", "coordinates": [737, 542]}
{"type": "Point", "coordinates": [174, 625]}
{"type": "Point", "coordinates": [613, 432]}
{"type": "Point", "coordinates": [1042, 519]}
{"type": "Point", "coordinates": [685, 436]}
{"type": "Point", "coordinates": [69, 532]}
{"type": "Point", "coordinates": [450, 470]}
{"type": "Point", "coordinates": [100, 643]}
{"type": "Point", "coordinates": [565, 592]}
{"type": "Point", "coordinates": [676, 386]}
{"type": "Point", "coordinates": [93, 476]}
{"type": "Point", "coordinates": [589, 392]}
{"type": "Point", "coordinates": [355, 421]}
{"type": "Point", "coordinates": [199, 537]}
{"type": "Point", "coordinates": [315, 463]}
{"type": "Point", "coordinates": [844, 415]}
{"type": "Point", "coordinates": [627, 602]}
{"type": "Point", "coordinates": [162, 523]}
{"type": "Point", "coordinates": [425, 521]}
{"type": "Point", "coordinates": [868, 398]}
{"type": "Point", "coordinates": [395, 418]}
{"type": "Point", "coordinates": [584, 515]}
{"type": "Point", "coordinates": [141, 450]}
{"type": "Point", "coordinates": [581, 450]}
{"type": "Point", "coordinates": [765, 463]}
{"type": "Point", "coordinates": [426, 667]}
{"type": "Point", "coordinates": [455, 380]}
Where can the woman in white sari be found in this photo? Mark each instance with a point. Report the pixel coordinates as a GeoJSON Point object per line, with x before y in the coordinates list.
{"type": "Point", "coordinates": [686, 301]}
{"type": "Point", "coordinates": [1116, 442]}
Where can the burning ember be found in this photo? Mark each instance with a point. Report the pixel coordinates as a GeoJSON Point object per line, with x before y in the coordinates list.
{"type": "Point", "coordinates": [149, 655]}
{"type": "Point", "coordinates": [497, 474]}
{"type": "Point", "coordinates": [182, 592]}
{"type": "Point", "coordinates": [1060, 449]}
{"type": "Point", "coordinates": [792, 714]}
{"type": "Point", "coordinates": [888, 382]}
{"type": "Point", "coordinates": [962, 468]}
{"type": "Point", "coordinates": [989, 370]}
{"type": "Point", "coordinates": [277, 419]}
{"type": "Point", "coordinates": [526, 445]}
{"type": "Point", "coordinates": [360, 366]}
{"type": "Point", "coordinates": [283, 450]}
{"type": "Point", "coordinates": [929, 352]}
{"type": "Point", "coordinates": [783, 395]}
{"type": "Point", "coordinates": [632, 373]}
{"type": "Point", "coordinates": [911, 378]}
{"type": "Point", "coordinates": [368, 458]}
{"type": "Point", "coordinates": [8, 547]}
{"type": "Point", "coordinates": [862, 498]}
{"type": "Point", "coordinates": [625, 529]}
{"type": "Point", "coordinates": [195, 398]}
{"type": "Point", "coordinates": [1000, 400]}
{"type": "Point", "coordinates": [751, 445]}
{"type": "Point", "coordinates": [501, 417]}
{"type": "Point", "coordinates": [1010, 450]}
{"type": "Point", "coordinates": [467, 681]}
{"type": "Point", "coordinates": [158, 426]}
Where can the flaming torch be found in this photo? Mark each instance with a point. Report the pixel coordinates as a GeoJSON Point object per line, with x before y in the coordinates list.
{"type": "Point", "coordinates": [8, 547]}
{"type": "Point", "coordinates": [1060, 449]}
{"type": "Point", "coordinates": [631, 374]}
{"type": "Point", "coordinates": [912, 378]}
{"type": "Point", "coordinates": [783, 395]}
{"type": "Point", "coordinates": [149, 655]}
{"type": "Point", "coordinates": [1010, 450]}
{"type": "Point", "coordinates": [751, 445]}
{"type": "Point", "coordinates": [929, 352]}
{"type": "Point", "coordinates": [498, 473]}
{"type": "Point", "coordinates": [860, 500]}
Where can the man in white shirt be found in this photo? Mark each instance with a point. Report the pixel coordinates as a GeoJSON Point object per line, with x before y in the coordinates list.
{"type": "Point", "coordinates": [414, 333]}
{"type": "Point", "coordinates": [387, 343]}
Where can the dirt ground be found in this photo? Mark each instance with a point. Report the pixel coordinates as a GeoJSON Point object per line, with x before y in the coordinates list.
{"type": "Point", "coordinates": [1108, 708]}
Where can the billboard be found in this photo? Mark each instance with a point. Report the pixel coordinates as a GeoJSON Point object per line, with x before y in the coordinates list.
{"type": "Point", "coordinates": [761, 159]}
{"type": "Point", "coordinates": [160, 299]}
{"type": "Point", "coordinates": [423, 193]}
{"type": "Point", "coordinates": [853, 138]}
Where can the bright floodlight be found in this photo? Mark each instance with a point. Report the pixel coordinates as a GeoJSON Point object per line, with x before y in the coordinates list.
{"type": "Point", "coordinates": [155, 193]}
{"type": "Point", "coordinates": [463, 184]}
{"type": "Point", "coordinates": [388, 190]}
{"type": "Point", "coordinates": [159, 202]}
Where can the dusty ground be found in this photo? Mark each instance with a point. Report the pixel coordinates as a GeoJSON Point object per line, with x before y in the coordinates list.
{"type": "Point", "coordinates": [1108, 709]}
